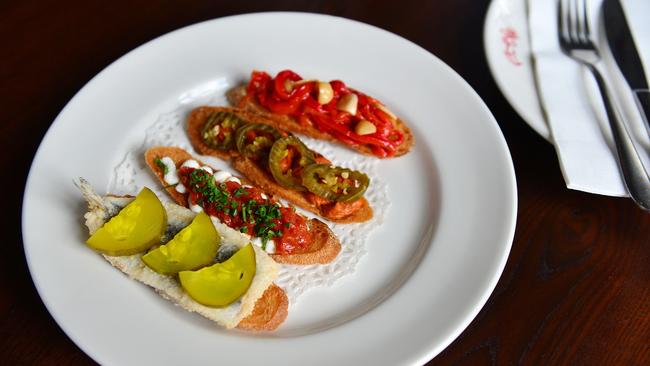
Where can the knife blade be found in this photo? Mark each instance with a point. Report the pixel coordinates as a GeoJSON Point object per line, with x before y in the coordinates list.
{"type": "Point", "coordinates": [626, 55]}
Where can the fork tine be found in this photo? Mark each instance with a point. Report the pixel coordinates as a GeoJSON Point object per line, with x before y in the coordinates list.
{"type": "Point", "coordinates": [574, 20]}
{"type": "Point", "coordinates": [562, 22]}
{"type": "Point", "coordinates": [585, 17]}
{"type": "Point", "coordinates": [580, 21]}
{"type": "Point", "coordinates": [577, 22]}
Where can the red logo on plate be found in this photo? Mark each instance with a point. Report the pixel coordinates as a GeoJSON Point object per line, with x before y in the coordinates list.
{"type": "Point", "coordinates": [509, 38]}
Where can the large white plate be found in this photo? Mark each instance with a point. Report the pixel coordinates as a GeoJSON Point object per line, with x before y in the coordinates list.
{"type": "Point", "coordinates": [507, 47]}
{"type": "Point", "coordinates": [429, 268]}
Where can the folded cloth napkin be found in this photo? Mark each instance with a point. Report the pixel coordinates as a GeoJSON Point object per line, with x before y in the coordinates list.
{"type": "Point", "coordinates": [571, 101]}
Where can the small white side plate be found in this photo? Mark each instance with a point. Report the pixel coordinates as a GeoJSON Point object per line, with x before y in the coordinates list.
{"type": "Point", "coordinates": [507, 47]}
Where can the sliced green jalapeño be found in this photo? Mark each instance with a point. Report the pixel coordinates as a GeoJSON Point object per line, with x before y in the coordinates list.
{"type": "Point", "coordinates": [219, 130]}
{"type": "Point", "coordinates": [334, 183]}
{"type": "Point", "coordinates": [287, 159]}
{"type": "Point", "coordinates": [255, 140]}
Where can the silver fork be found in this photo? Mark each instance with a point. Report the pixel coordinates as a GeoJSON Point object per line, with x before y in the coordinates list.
{"type": "Point", "coordinates": [575, 41]}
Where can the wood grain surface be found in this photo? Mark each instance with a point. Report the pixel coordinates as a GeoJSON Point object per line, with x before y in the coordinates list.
{"type": "Point", "coordinates": [576, 288]}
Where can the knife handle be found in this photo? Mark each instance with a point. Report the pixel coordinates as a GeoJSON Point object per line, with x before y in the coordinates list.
{"type": "Point", "coordinates": [642, 97]}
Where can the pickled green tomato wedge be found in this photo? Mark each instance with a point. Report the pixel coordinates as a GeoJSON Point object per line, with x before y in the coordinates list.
{"type": "Point", "coordinates": [254, 140]}
{"type": "Point", "coordinates": [288, 157]}
{"type": "Point", "coordinates": [136, 228]}
{"type": "Point", "coordinates": [219, 130]}
{"type": "Point", "coordinates": [223, 283]}
{"type": "Point", "coordinates": [192, 248]}
{"type": "Point", "coordinates": [334, 183]}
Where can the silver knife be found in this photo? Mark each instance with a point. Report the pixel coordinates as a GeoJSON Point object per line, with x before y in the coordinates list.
{"type": "Point", "coordinates": [625, 53]}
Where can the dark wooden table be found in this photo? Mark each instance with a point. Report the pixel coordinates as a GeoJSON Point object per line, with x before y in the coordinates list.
{"type": "Point", "coordinates": [576, 288]}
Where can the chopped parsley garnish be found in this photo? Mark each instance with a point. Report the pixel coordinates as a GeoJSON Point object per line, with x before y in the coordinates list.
{"type": "Point", "coordinates": [264, 217]}
{"type": "Point", "coordinates": [161, 165]}
{"type": "Point", "coordinates": [203, 183]}
{"type": "Point", "coordinates": [240, 192]}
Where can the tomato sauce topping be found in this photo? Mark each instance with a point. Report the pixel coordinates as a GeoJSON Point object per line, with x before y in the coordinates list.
{"type": "Point", "coordinates": [246, 209]}
{"type": "Point", "coordinates": [356, 119]}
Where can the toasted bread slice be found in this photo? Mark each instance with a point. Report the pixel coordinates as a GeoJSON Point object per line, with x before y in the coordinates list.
{"type": "Point", "coordinates": [324, 246]}
{"type": "Point", "coordinates": [359, 211]}
{"type": "Point", "coordinates": [238, 98]}
{"type": "Point", "coordinates": [263, 308]}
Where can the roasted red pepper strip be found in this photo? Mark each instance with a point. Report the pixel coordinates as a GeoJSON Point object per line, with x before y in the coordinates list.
{"type": "Point", "coordinates": [280, 84]}
{"type": "Point", "coordinates": [282, 96]}
{"type": "Point", "coordinates": [292, 104]}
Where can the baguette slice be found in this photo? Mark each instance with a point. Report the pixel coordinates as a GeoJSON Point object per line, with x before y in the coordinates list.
{"type": "Point", "coordinates": [324, 246]}
{"type": "Point", "coordinates": [264, 306]}
{"type": "Point", "coordinates": [239, 98]}
{"type": "Point", "coordinates": [340, 213]}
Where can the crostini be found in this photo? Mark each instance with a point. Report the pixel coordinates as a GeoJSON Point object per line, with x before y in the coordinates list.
{"type": "Point", "coordinates": [126, 230]}
{"type": "Point", "coordinates": [280, 163]}
{"type": "Point", "coordinates": [324, 110]}
{"type": "Point", "coordinates": [286, 235]}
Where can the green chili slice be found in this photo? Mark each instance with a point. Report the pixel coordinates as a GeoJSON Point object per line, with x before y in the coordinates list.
{"type": "Point", "coordinates": [334, 183]}
{"type": "Point", "coordinates": [287, 159]}
{"type": "Point", "coordinates": [254, 140]}
{"type": "Point", "coordinates": [219, 130]}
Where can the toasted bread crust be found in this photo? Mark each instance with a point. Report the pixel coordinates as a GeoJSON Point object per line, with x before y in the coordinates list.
{"type": "Point", "coordinates": [238, 98]}
{"type": "Point", "coordinates": [260, 176]}
{"type": "Point", "coordinates": [323, 249]}
{"type": "Point", "coordinates": [270, 311]}
{"type": "Point", "coordinates": [265, 181]}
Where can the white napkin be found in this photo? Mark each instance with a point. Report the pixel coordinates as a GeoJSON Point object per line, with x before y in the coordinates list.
{"type": "Point", "coordinates": [568, 93]}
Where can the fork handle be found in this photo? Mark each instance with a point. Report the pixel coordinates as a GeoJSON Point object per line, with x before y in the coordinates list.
{"type": "Point", "coordinates": [634, 174]}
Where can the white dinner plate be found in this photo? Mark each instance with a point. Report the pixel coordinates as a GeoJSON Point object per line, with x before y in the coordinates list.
{"type": "Point", "coordinates": [507, 48]}
{"type": "Point", "coordinates": [428, 269]}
